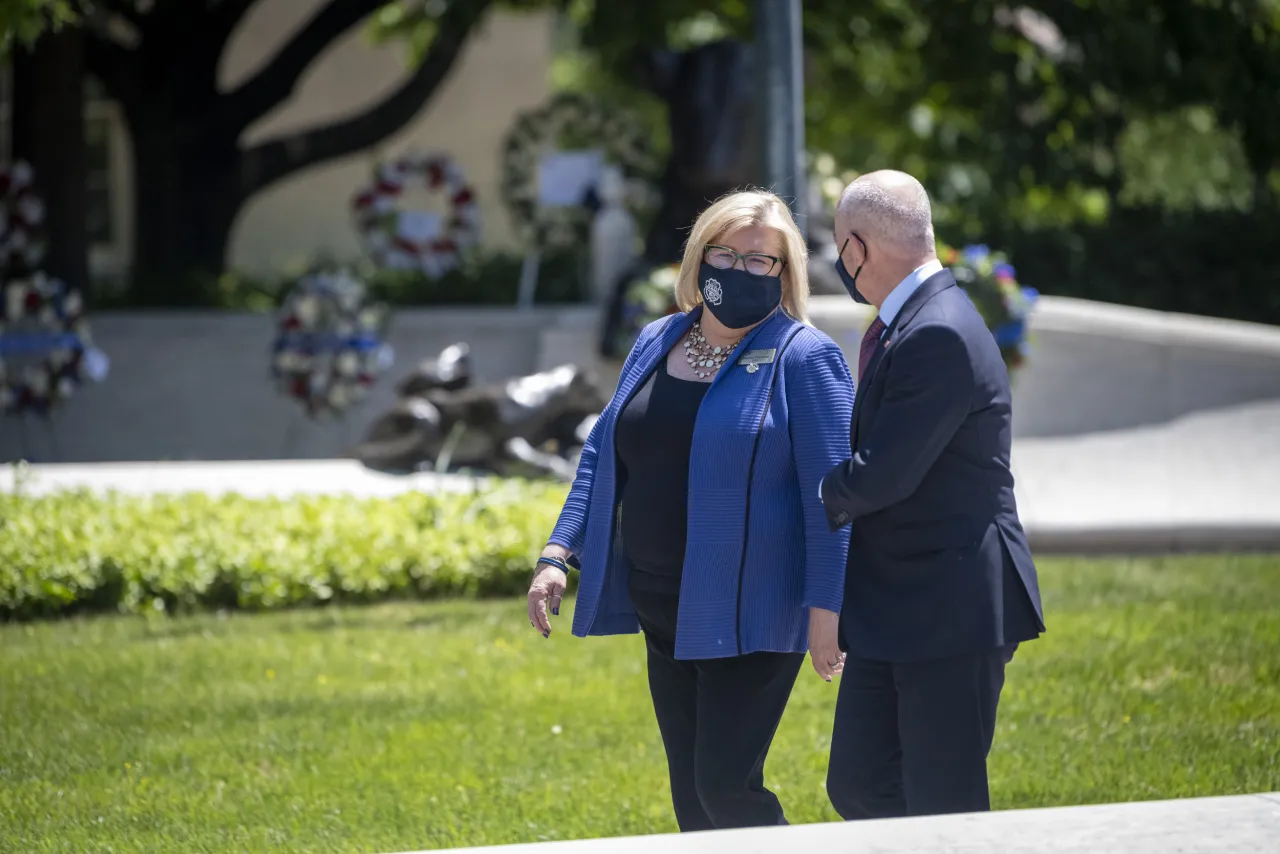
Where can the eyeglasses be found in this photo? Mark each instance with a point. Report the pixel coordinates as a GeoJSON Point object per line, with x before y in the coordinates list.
{"type": "Point", "coordinates": [755, 263]}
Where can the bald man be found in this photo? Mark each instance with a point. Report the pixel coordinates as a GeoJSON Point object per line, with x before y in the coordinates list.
{"type": "Point", "coordinates": [940, 587]}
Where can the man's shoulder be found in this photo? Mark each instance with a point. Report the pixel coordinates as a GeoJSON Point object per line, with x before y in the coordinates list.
{"type": "Point", "coordinates": [949, 302]}
{"type": "Point", "coordinates": [950, 322]}
{"type": "Point", "coordinates": [949, 309]}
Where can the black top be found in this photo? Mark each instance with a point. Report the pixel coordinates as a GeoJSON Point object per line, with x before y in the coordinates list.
{"type": "Point", "coordinates": [654, 438]}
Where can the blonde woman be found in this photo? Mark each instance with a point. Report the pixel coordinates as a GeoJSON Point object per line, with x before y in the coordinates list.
{"type": "Point", "coordinates": [696, 518]}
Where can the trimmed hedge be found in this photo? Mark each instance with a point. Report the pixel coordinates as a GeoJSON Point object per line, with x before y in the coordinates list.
{"type": "Point", "coordinates": [75, 552]}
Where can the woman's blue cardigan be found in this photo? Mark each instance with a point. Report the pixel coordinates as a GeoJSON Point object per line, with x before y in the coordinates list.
{"type": "Point", "coordinates": [759, 551]}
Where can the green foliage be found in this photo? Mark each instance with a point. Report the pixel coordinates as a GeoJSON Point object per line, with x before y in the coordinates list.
{"type": "Point", "coordinates": [1015, 118]}
{"type": "Point", "coordinates": [1184, 161]}
{"type": "Point", "coordinates": [71, 552]}
{"type": "Point", "coordinates": [1025, 121]}
{"type": "Point", "coordinates": [1012, 115]}
{"type": "Point", "coordinates": [415, 23]}
{"type": "Point", "coordinates": [616, 32]}
{"type": "Point", "coordinates": [1217, 263]}
{"type": "Point", "coordinates": [22, 21]}
{"type": "Point", "coordinates": [1112, 148]}
{"type": "Point", "coordinates": [414, 726]}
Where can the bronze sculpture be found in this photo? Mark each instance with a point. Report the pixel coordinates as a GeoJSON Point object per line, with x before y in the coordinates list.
{"type": "Point", "coordinates": [533, 425]}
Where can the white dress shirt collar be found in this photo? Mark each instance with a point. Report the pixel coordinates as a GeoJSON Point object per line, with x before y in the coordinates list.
{"type": "Point", "coordinates": [898, 297]}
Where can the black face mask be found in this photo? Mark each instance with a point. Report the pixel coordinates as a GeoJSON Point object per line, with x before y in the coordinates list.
{"type": "Point", "coordinates": [737, 298]}
{"type": "Point", "coordinates": [851, 282]}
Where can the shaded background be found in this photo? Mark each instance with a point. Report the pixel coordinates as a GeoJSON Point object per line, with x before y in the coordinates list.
{"type": "Point", "coordinates": [1122, 151]}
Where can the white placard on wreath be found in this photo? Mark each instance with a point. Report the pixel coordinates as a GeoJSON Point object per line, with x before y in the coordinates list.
{"type": "Point", "coordinates": [546, 157]}
{"type": "Point", "coordinates": [565, 176]}
{"type": "Point", "coordinates": [417, 240]}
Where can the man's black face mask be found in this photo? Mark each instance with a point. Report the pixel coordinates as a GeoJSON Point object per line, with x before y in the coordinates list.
{"type": "Point", "coordinates": [851, 282]}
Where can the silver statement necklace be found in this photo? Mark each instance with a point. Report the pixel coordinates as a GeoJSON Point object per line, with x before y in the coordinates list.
{"type": "Point", "coordinates": [701, 356]}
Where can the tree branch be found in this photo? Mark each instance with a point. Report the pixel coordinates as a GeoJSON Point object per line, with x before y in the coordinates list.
{"type": "Point", "coordinates": [277, 81]}
{"type": "Point", "coordinates": [274, 159]}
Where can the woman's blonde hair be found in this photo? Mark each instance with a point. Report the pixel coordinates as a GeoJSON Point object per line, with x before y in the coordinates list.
{"type": "Point", "coordinates": [741, 210]}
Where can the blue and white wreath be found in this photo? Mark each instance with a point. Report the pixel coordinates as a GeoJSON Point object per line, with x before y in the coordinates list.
{"type": "Point", "coordinates": [330, 345]}
{"type": "Point", "coordinates": [46, 350]}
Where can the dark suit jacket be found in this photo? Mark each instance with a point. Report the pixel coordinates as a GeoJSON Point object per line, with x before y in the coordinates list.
{"type": "Point", "coordinates": [938, 561]}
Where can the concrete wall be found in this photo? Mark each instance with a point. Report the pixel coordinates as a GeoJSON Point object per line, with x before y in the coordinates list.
{"type": "Point", "coordinates": [1097, 366]}
{"type": "Point", "coordinates": [196, 385]}
{"type": "Point", "coordinates": [1104, 367]}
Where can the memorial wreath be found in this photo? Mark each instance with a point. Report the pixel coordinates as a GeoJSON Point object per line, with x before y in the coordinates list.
{"type": "Point", "coordinates": [329, 347]}
{"type": "Point", "coordinates": [407, 240]}
{"type": "Point", "coordinates": [569, 122]}
{"type": "Point", "coordinates": [45, 347]}
{"type": "Point", "coordinates": [992, 285]}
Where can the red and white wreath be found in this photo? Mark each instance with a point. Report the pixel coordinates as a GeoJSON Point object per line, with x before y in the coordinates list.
{"type": "Point", "coordinates": [417, 240]}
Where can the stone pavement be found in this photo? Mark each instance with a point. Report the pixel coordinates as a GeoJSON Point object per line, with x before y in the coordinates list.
{"type": "Point", "coordinates": [1207, 480]}
{"type": "Point", "coordinates": [1244, 824]}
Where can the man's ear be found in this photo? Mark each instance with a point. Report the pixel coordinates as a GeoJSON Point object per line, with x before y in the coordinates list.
{"type": "Point", "coordinates": [857, 250]}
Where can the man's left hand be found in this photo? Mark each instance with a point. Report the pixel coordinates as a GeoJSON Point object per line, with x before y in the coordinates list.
{"type": "Point", "coordinates": [824, 643]}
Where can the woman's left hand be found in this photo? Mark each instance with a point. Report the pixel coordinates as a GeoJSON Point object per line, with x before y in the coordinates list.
{"type": "Point", "coordinates": [824, 643]}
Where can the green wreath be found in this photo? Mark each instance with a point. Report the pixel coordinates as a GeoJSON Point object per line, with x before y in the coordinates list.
{"type": "Point", "coordinates": [569, 121]}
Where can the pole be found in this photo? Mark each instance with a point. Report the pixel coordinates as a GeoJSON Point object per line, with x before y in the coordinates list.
{"type": "Point", "coordinates": [778, 39]}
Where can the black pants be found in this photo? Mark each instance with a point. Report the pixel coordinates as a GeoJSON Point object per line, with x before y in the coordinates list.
{"type": "Point", "coordinates": [913, 739]}
{"type": "Point", "coordinates": [717, 718]}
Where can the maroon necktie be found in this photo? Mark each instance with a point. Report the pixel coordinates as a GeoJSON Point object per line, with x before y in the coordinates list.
{"type": "Point", "coordinates": [869, 342]}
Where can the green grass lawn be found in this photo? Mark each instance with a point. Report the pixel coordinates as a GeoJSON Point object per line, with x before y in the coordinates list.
{"type": "Point", "coordinates": [411, 726]}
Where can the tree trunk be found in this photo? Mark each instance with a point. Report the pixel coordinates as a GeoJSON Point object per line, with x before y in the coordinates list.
{"type": "Point", "coordinates": [187, 197]}
{"type": "Point", "coordinates": [191, 177]}
{"type": "Point", "coordinates": [48, 132]}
